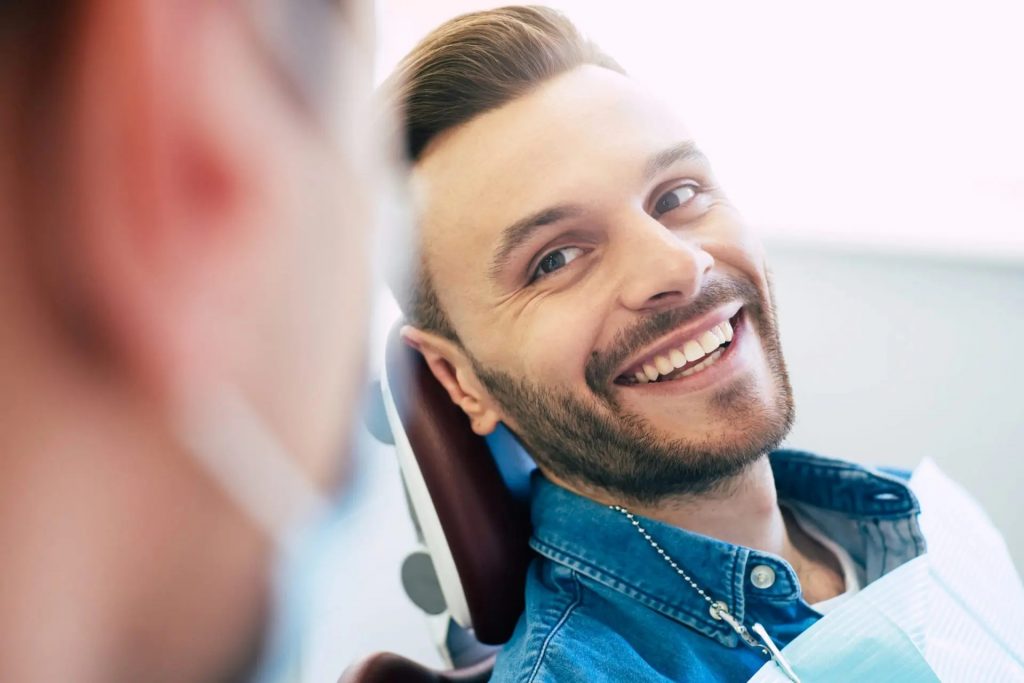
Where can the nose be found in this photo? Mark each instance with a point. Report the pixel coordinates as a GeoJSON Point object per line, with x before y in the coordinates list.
{"type": "Point", "coordinates": [660, 268]}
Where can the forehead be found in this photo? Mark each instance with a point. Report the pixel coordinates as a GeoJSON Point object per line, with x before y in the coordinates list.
{"type": "Point", "coordinates": [582, 137]}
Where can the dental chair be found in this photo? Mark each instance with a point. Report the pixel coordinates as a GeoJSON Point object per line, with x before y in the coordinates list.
{"type": "Point", "coordinates": [469, 501]}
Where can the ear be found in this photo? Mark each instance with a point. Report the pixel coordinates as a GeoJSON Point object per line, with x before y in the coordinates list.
{"type": "Point", "coordinates": [453, 369]}
{"type": "Point", "coordinates": [163, 186]}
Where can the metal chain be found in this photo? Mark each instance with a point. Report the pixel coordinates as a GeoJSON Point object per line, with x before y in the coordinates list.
{"type": "Point", "coordinates": [719, 610]}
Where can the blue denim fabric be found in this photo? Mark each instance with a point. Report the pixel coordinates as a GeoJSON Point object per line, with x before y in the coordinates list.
{"type": "Point", "coordinates": [601, 604]}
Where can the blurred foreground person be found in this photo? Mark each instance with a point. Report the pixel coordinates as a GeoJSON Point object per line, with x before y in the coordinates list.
{"type": "Point", "coordinates": [181, 320]}
{"type": "Point", "coordinates": [584, 279]}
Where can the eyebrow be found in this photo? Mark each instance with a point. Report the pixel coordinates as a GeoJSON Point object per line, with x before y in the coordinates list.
{"type": "Point", "coordinates": [520, 232]}
{"type": "Point", "coordinates": [684, 151]}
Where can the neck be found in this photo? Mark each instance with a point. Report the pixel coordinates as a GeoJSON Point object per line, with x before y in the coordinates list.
{"type": "Point", "coordinates": [742, 511]}
{"type": "Point", "coordinates": [745, 511]}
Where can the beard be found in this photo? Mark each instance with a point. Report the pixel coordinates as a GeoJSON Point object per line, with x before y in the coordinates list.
{"type": "Point", "coordinates": [596, 444]}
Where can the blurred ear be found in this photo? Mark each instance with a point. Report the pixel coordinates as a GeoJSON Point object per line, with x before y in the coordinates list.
{"type": "Point", "coordinates": [165, 100]}
{"type": "Point", "coordinates": [452, 368]}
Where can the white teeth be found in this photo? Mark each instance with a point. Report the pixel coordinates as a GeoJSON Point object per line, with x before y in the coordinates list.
{"type": "Point", "coordinates": [706, 347]}
{"type": "Point", "coordinates": [710, 360]}
{"type": "Point", "coordinates": [708, 342]}
{"type": "Point", "coordinates": [650, 371]}
{"type": "Point", "coordinates": [693, 351]}
{"type": "Point", "coordinates": [707, 362]}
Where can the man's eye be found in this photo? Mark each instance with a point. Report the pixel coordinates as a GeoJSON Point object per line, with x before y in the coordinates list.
{"type": "Point", "coordinates": [675, 198]}
{"type": "Point", "coordinates": [556, 260]}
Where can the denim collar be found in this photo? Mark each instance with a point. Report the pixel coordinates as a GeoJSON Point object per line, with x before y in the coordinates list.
{"type": "Point", "coordinates": [601, 544]}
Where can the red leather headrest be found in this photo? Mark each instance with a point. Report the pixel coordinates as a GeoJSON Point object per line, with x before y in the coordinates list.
{"type": "Point", "coordinates": [486, 528]}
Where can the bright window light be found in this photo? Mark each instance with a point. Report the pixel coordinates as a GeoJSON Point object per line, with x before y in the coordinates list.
{"type": "Point", "coordinates": [870, 125]}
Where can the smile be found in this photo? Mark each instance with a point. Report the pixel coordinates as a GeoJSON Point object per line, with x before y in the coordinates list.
{"type": "Point", "coordinates": [683, 357]}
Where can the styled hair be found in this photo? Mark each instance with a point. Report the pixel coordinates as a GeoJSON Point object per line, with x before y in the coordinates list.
{"type": "Point", "coordinates": [466, 67]}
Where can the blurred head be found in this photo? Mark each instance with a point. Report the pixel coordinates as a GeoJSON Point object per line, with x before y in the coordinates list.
{"type": "Point", "coordinates": [581, 275]}
{"type": "Point", "coordinates": [186, 207]}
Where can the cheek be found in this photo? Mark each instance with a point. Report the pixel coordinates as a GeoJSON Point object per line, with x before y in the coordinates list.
{"type": "Point", "coordinates": [738, 247]}
{"type": "Point", "coordinates": [554, 346]}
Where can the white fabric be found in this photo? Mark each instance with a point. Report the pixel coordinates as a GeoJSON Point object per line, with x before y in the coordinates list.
{"type": "Point", "coordinates": [954, 614]}
{"type": "Point", "coordinates": [976, 632]}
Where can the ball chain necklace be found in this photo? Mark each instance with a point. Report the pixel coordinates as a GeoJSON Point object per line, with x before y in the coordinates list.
{"type": "Point", "coordinates": [718, 609]}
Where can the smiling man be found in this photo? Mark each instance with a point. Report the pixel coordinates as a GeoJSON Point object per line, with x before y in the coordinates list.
{"type": "Point", "coordinates": [583, 279]}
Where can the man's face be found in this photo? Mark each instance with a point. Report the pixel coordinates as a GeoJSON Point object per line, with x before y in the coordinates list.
{"type": "Point", "coordinates": [610, 300]}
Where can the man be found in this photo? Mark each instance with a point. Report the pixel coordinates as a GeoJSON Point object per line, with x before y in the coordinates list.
{"type": "Point", "coordinates": [182, 266]}
{"type": "Point", "coordinates": [582, 278]}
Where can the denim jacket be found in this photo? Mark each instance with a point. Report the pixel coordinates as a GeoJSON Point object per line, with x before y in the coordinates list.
{"type": "Point", "coordinates": [602, 605]}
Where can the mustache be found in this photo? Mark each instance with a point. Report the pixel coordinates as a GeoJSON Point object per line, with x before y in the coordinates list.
{"type": "Point", "coordinates": [602, 366]}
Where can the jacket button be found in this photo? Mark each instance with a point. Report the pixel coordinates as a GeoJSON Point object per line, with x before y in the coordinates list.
{"type": "Point", "coordinates": [762, 576]}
